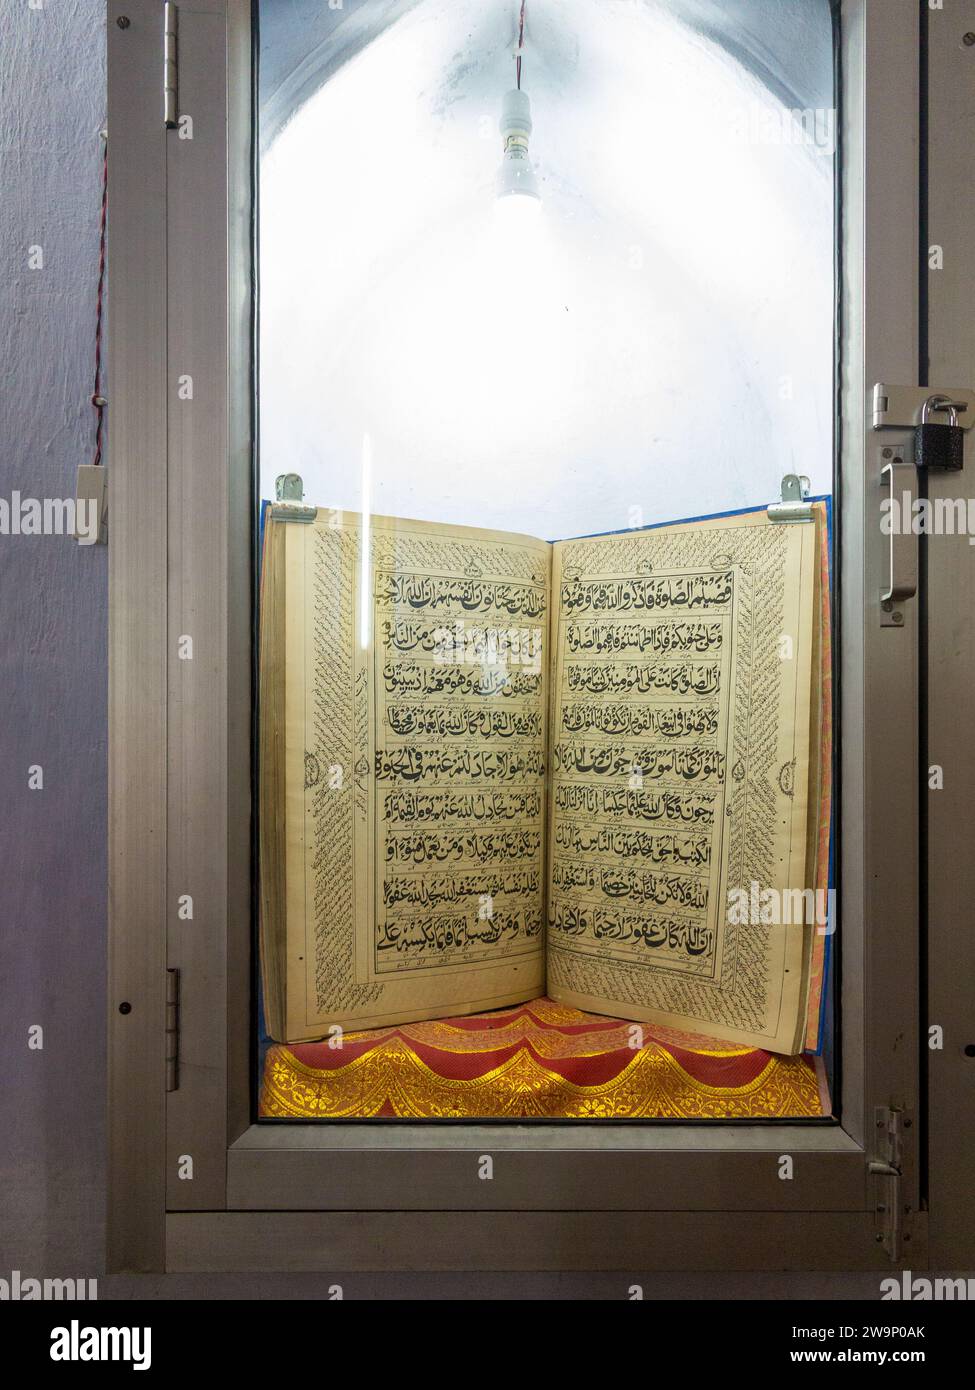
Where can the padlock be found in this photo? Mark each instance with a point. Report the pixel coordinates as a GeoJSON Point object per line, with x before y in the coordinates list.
{"type": "Point", "coordinates": [936, 444]}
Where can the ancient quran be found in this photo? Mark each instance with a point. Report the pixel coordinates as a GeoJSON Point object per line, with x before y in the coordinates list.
{"type": "Point", "coordinates": [494, 767]}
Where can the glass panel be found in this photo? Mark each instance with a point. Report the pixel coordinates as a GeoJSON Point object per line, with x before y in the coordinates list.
{"type": "Point", "coordinates": [656, 342]}
{"type": "Point", "coordinates": [561, 269]}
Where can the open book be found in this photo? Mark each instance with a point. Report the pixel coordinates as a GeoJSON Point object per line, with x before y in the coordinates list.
{"type": "Point", "coordinates": [493, 767]}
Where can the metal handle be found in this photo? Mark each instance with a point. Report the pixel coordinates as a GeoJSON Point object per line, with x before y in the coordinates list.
{"type": "Point", "coordinates": [902, 567]}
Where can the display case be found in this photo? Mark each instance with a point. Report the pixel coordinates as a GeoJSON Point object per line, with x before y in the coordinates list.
{"type": "Point", "coordinates": [208, 408]}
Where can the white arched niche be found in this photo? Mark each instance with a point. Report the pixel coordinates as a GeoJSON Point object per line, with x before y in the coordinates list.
{"type": "Point", "coordinates": [658, 344]}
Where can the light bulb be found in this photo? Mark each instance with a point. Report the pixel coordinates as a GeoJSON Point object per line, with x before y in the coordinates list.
{"type": "Point", "coordinates": [517, 220]}
{"type": "Point", "coordinates": [516, 177]}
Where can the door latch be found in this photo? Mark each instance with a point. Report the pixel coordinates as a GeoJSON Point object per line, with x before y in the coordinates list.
{"type": "Point", "coordinates": [172, 1030]}
{"type": "Point", "coordinates": [170, 66]}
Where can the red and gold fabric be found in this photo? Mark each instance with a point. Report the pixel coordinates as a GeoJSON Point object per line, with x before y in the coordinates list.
{"type": "Point", "coordinates": [538, 1061]}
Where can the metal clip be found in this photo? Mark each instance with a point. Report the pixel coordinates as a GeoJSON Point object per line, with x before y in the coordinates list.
{"type": "Point", "coordinates": [289, 491]}
{"type": "Point", "coordinates": [794, 506]}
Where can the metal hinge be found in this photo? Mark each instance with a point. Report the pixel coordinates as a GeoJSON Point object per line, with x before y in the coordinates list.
{"type": "Point", "coordinates": [886, 1172]}
{"type": "Point", "coordinates": [170, 66]}
{"type": "Point", "coordinates": [172, 1030]}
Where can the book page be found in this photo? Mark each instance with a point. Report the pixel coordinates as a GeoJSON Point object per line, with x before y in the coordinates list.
{"type": "Point", "coordinates": [680, 747]}
{"type": "Point", "coordinates": [820, 808]}
{"type": "Point", "coordinates": [416, 733]}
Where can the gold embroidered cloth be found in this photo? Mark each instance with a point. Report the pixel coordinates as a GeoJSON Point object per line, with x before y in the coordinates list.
{"type": "Point", "coordinates": [537, 1061]}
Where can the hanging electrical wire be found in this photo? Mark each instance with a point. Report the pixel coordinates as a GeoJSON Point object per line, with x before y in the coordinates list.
{"type": "Point", "coordinates": [521, 43]}
{"type": "Point", "coordinates": [97, 399]}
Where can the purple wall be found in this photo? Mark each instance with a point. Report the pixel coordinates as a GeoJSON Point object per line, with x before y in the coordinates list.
{"type": "Point", "coordinates": [53, 663]}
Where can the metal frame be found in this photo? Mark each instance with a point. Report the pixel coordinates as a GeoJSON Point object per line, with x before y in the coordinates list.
{"type": "Point", "coordinates": [948, 602]}
{"type": "Point", "coordinates": [563, 1196]}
